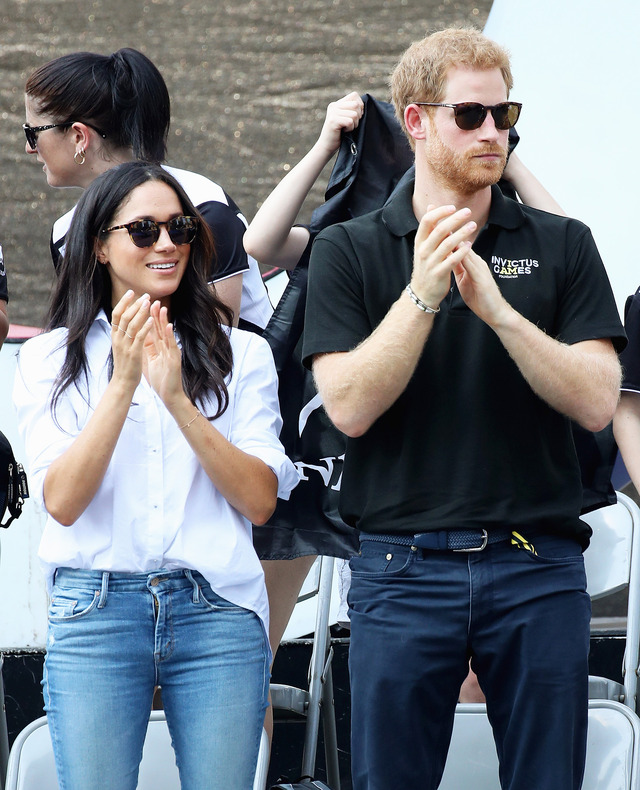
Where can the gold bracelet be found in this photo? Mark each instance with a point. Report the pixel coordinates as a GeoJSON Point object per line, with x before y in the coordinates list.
{"type": "Point", "coordinates": [182, 427]}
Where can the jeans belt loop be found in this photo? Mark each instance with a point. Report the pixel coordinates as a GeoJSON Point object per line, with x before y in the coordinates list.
{"type": "Point", "coordinates": [196, 587]}
{"type": "Point", "coordinates": [104, 588]}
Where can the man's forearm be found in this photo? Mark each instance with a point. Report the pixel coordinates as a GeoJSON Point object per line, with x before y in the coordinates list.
{"type": "Point", "coordinates": [581, 380]}
{"type": "Point", "coordinates": [360, 385]}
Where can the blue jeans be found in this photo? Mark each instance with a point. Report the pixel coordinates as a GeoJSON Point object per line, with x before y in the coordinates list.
{"type": "Point", "coordinates": [417, 616]}
{"type": "Point", "coordinates": [112, 638]}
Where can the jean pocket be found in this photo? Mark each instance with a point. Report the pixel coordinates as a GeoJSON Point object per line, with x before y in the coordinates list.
{"type": "Point", "coordinates": [554, 550]}
{"type": "Point", "coordinates": [381, 559]}
{"type": "Point", "coordinates": [211, 600]}
{"type": "Point", "coordinates": [71, 604]}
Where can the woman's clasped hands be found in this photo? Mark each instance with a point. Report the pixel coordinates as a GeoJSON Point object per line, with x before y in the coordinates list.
{"type": "Point", "coordinates": [143, 342]}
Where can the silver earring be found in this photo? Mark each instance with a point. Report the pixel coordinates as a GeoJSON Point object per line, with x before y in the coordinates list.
{"type": "Point", "coordinates": [79, 157]}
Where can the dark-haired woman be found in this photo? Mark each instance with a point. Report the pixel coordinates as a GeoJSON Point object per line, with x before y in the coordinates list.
{"type": "Point", "coordinates": [151, 432]}
{"type": "Point", "coordinates": [86, 113]}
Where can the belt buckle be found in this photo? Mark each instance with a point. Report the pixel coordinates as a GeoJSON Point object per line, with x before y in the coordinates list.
{"type": "Point", "coordinates": [485, 541]}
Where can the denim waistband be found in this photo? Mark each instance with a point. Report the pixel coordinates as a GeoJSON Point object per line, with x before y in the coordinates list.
{"type": "Point", "coordinates": [128, 582]}
{"type": "Point", "coordinates": [445, 539]}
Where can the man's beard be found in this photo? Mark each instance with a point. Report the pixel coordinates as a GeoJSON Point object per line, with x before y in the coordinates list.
{"type": "Point", "coordinates": [463, 172]}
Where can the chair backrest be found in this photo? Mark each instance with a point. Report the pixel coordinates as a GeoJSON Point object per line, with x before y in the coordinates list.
{"type": "Point", "coordinates": [613, 742]}
{"type": "Point", "coordinates": [612, 562]}
{"type": "Point", "coordinates": [608, 558]}
{"type": "Point", "coordinates": [31, 759]}
{"type": "Point", "coordinates": [31, 765]}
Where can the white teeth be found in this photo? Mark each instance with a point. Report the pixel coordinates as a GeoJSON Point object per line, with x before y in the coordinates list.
{"type": "Point", "coordinates": [160, 265]}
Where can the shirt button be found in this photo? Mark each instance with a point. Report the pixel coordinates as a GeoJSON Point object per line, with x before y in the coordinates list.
{"type": "Point", "coordinates": [389, 556]}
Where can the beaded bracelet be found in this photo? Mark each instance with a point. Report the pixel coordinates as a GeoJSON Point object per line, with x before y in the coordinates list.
{"type": "Point", "coordinates": [419, 303]}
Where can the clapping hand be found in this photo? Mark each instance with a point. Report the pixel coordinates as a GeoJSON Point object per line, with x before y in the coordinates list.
{"type": "Point", "coordinates": [130, 325]}
{"type": "Point", "coordinates": [163, 357]}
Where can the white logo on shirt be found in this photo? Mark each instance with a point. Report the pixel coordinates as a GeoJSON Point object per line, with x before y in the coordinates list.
{"type": "Point", "coordinates": [509, 269]}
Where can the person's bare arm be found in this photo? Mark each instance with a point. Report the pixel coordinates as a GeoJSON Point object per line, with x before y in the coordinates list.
{"type": "Point", "coordinates": [271, 237]}
{"type": "Point", "coordinates": [244, 480]}
{"type": "Point", "coordinates": [626, 429]}
{"type": "Point", "coordinates": [529, 189]}
{"type": "Point", "coordinates": [4, 321]}
{"type": "Point", "coordinates": [581, 380]}
{"type": "Point", "coordinates": [74, 478]}
{"type": "Point", "coordinates": [229, 291]}
{"type": "Point", "coordinates": [358, 386]}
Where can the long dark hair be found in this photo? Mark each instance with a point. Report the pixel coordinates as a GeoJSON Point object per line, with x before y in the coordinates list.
{"type": "Point", "coordinates": [83, 288]}
{"type": "Point", "coordinates": [123, 95]}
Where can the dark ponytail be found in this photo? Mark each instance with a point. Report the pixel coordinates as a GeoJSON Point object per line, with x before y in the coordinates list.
{"type": "Point", "coordinates": [123, 95]}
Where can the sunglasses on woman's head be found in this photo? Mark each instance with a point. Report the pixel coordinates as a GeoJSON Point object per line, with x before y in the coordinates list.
{"type": "Point", "coordinates": [470, 115]}
{"type": "Point", "coordinates": [145, 232]}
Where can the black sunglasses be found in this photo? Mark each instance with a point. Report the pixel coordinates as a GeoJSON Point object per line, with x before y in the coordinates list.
{"type": "Point", "coordinates": [470, 114]}
{"type": "Point", "coordinates": [32, 132]}
{"type": "Point", "coordinates": [145, 232]}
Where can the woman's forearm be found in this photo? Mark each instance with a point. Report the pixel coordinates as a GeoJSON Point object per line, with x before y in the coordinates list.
{"type": "Point", "coordinates": [74, 478]}
{"type": "Point", "coordinates": [245, 481]}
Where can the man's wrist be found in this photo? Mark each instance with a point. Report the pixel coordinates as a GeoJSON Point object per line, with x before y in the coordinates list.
{"type": "Point", "coordinates": [419, 303]}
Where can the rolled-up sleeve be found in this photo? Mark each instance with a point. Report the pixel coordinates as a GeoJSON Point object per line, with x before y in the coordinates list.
{"type": "Point", "coordinates": [256, 420]}
{"type": "Point", "coordinates": [46, 436]}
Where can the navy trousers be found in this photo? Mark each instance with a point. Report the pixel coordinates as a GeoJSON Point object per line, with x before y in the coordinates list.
{"type": "Point", "coordinates": [418, 616]}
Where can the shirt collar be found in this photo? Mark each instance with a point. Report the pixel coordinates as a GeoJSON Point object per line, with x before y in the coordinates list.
{"type": "Point", "coordinates": [397, 212]}
{"type": "Point", "coordinates": [101, 323]}
{"type": "Point", "coordinates": [398, 216]}
{"type": "Point", "coordinates": [504, 212]}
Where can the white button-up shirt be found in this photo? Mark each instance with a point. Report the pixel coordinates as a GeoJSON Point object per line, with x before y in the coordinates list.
{"type": "Point", "coordinates": [156, 507]}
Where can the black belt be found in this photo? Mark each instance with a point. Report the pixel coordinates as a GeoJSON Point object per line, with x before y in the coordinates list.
{"type": "Point", "coordinates": [445, 539]}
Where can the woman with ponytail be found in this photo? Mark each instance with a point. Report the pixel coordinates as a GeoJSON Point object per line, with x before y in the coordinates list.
{"type": "Point", "coordinates": [86, 113]}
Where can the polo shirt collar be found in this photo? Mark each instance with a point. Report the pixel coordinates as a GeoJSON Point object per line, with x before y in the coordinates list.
{"type": "Point", "coordinates": [397, 212]}
{"type": "Point", "coordinates": [398, 216]}
{"type": "Point", "coordinates": [504, 212]}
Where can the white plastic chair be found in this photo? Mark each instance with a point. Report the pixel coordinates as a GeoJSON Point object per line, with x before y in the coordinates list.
{"type": "Point", "coordinates": [612, 562]}
{"type": "Point", "coordinates": [613, 744]}
{"type": "Point", "coordinates": [31, 765]}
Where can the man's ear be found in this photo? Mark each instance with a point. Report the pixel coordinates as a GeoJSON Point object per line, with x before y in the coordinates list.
{"type": "Point", "coordinates": [415, 120]}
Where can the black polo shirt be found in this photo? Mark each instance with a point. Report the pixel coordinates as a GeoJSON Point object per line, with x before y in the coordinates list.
{"type": "Point", "coordinates": [468, 443]}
